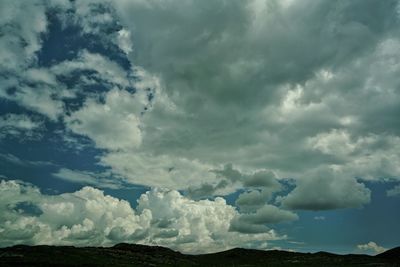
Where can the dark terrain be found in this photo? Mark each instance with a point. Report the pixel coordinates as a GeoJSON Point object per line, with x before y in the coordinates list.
{"type": "Point", "coordinates": [139, 255]}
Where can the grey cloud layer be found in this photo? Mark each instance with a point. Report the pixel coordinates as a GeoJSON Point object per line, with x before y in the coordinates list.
{"type": "Point", "coordinates": [287, 89]}
{"type": "Point", "coordinates": [255, 89]}
{"type": "Point", "coordinates": [325, 193]}
{"type": "Point", "coordinates": [291, 88]}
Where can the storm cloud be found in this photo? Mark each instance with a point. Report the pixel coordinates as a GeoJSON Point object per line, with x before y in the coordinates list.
{"type": "Point", "coordinates": [279, 106]}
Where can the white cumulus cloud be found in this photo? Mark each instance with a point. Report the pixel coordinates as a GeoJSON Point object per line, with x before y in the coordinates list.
{"type": "Point", "coordinates": [88, 217]}
{"type": "Point", "coordinates": [371, 247]}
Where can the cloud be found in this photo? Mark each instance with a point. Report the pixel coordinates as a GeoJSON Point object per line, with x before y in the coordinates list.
{"type": "Point", "coordinates": [189, 217]}
{"type": "Point", "coordinates": [36, 90]}
{"type": "Point", "coordinates": [20, 126]}
{"type": "Point", "coordinates": [234, 107]}
{"type": "Point", "coordinates": [254, 86]}
{"type": "Point", "coordinates": [21, 33]}
{"type": "Point", "coordinates": [354, 155]}
{"type": "Point", "coordinates": [75, 176]}
{"type": "Point", "coordinates": [124, 41]}
{"type": "Point", "coordinates": [253, 199]}
{"type": "Point", "coordinates": [325, 193]}
{"type": "Point", "coordinates": [81, 218]}
{"type": "Point", "coordinates": [230, 179]}
{"type": "Point", "coordinates": [23, 162]}
{"type": "Point", "coordinates": [371, 247]}
{"type": "Point", "coordinates": [262, 179]}
{"type": "Point", "coordinates": [106, 70]}
{"type": "Point", "coordinates": [256, 212]}
{"type": "Point", "coordinates": [395, 191]}
{"type": "Point", "coordinates": [23, 27]}
{"type": "Point", "coordinates": [268, 214]}
{"type": "Point", "coordinates": [102, 180]}
{"type": "Point", "coordinates": [204, 97]}
{"type": "Point", "coordinates": [207, 190]}
{"type": "Point", "coordinates": [113, 125]}
{"type": "Point", "coordinates": [41, 100]}
{"type": "Point", "coordinates": [88, 217]}
{"type": "Point", "coordinates": [159, 170]}
{"type": "Point", "coordinates": [244, 227]}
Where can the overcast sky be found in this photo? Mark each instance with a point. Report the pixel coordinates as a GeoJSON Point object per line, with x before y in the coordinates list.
{"type": "Point", "coordinates": [201, 125]}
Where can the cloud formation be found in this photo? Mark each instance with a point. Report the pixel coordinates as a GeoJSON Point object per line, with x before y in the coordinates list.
{"type": "Point", "coordinates": [395, 191]}
{"type": "Point", "coordinates": [327, 193]}
{"type": "Point", "coordinates": [88, 217]}
{"type": "Point", "coordinates": [277, 107]}
{"type": "Point", "coordinates": [210, 97]}
{"type": "Point", "coordinates": [19, 126]}
{"type": "Point", "coordinates": [371, 247]}
{"type": "Point", "coordinates": [255, 222]}
{"type": "Point", "coordinates": [113, 125]}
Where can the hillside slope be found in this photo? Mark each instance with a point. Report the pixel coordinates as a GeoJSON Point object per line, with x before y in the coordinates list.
{"type": "Point", "coordinates": [140, 255]}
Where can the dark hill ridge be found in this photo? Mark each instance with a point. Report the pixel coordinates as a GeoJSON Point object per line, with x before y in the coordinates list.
{"type": "Point", "coordinates": [393, 253]}
{"type": "Point", "coordinates": [141, 255]}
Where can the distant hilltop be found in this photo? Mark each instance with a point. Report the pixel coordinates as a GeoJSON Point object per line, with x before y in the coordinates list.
{"type": "Point", "coordinates": [140, 255]}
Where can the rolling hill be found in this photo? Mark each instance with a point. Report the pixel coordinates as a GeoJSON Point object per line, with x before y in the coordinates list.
{"type": "Point", "coordinates": [140, 255]}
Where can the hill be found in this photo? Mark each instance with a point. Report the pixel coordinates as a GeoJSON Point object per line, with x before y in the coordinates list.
{"type": "Point", "coordinates": [393, 254]}
{"type": "Point", "coordinates": [140, 255]}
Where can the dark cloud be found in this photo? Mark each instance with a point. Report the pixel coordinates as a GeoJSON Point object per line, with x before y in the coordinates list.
{"type": "Point", "coordinates": [254, 199]}
{"type": "Point", "coordinates": [206, 97]}
{"type": "Point", "coordinates": [255, 222]}
{"type": "Point", "coordinates": [268, 214]}
{"type": "Point", "coordinates": [262, 179]}
{"type": "Point", "coordinates": [327, 193]}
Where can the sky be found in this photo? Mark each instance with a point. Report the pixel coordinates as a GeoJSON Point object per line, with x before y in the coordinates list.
{"type": "Point", "coordinates": [201, 125]}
